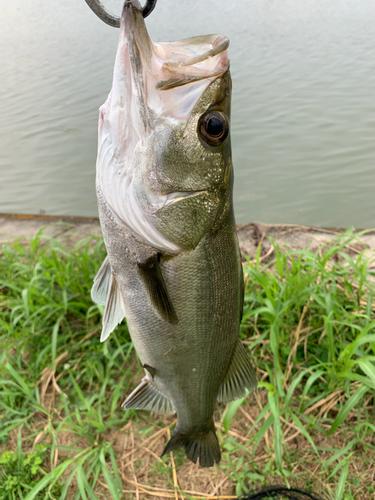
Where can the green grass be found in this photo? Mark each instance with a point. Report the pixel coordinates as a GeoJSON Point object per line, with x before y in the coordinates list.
{"type": "Point", "coordinates": [50, 338]}
{"type": "Point", "coordinates": [309, 325]}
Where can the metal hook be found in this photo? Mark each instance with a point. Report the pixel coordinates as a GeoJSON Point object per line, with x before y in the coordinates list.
{"type": "Point", "coordinates": [103, 14]}
{"type": "Point", "coordinates": [148, 8]}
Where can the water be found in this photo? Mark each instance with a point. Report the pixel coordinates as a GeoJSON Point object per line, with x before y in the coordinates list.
{"type": "Point", "coordinates": [303, 116]}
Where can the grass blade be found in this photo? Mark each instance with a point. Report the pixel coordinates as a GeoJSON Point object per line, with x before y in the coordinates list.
{"type": "Point", "coordinates": [349, 405]}
{"type": "Point", "coordinates": [112, 487]}
{"type": "Point", "coordinates": [231, 411]}
{"type": "Point", "coordinates": [342, 482]}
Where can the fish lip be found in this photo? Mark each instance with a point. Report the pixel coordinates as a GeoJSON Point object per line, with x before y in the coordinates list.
{"type": "Point", "coordinates": [219, 44]}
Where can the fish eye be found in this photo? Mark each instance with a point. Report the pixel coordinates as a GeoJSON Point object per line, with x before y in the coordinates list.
{"type": "Point", "coordinates": [213, 128]}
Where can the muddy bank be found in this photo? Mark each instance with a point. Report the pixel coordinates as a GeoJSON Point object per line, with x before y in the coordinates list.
{"type": "Point", "coordinates": [70, 229]}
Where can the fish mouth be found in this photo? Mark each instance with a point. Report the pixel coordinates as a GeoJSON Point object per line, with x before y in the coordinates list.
{"type": "Point", "coordinates": [159, 69]}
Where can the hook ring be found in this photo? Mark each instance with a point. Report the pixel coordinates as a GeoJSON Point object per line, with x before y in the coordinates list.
{"type": "Point", "coordinates": [98, 8]}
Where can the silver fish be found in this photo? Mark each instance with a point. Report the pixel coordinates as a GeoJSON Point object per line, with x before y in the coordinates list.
{"type": "Point", "coordinates": [164, 189]}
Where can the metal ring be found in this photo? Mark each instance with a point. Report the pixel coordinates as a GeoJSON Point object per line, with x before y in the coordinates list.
{"type": "Point", "coordinates": [98, 8]}
{"type": "Point", "coordinates": [148, 8]}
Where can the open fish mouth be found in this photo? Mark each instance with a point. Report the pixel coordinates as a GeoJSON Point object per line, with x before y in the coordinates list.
{"type": "Point", "coordinates": [157, 68]}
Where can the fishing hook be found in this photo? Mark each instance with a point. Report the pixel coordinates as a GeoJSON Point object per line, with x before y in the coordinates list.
{"type": "Point", "coordinates": [99, 9]}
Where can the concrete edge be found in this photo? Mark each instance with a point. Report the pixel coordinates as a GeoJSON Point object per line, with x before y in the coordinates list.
{"type": "Point", "coordinates": [70, 229]}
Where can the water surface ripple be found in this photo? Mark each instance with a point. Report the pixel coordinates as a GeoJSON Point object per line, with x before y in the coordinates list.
{"type": "Point", "coordinates": [303, 116]}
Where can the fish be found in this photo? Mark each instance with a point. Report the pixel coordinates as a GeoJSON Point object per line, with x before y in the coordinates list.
{"type": "Point", "coordinates": [164, 183]}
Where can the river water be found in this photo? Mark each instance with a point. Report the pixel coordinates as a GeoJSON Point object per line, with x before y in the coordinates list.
{"type": "Point", "coordinates": [303, 115]}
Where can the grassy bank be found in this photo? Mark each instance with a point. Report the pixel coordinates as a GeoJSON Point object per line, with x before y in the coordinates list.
{"type": "Point", "coordinates": [309, 326]}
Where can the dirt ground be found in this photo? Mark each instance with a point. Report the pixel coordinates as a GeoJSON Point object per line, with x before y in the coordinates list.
{"type": "Point", "coordinates": [71, 229]}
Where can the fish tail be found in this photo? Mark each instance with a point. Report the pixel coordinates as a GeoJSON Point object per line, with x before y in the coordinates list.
{"type": "Point", "coordinates": [203, 445]}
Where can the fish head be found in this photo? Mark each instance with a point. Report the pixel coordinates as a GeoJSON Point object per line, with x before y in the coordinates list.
{"type": "Point", "coordinates": [164, 153]}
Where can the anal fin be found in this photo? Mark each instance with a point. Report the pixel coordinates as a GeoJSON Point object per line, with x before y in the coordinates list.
{"type": "Point", "coordinates": [240, 376]}
{"type": "Point", "coordinates": [99, 290]}
{"type": "Point", "coordinates": [147, 397]}
{"type": "Point", "coordinates": [114, 311]}
{"type": "Point", "coordinates": [152, 277]}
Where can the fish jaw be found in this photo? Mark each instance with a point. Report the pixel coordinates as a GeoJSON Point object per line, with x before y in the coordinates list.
{"type": "Point", "coordinates": [155, 85]}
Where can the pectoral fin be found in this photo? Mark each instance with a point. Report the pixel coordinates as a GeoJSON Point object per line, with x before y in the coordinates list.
{"type": "Point", "coordinates": [240, 375]}
{"type": "Point", "coordinates": [99, 290]}
{"type": "Point", "coordinates": [150, 370]}
{"type": "Point", "coordinates": [147, 397]}
{"type": "Point", "coordinates": [152, 277]}
{"type": "Point", "coordinates": [114, 311]}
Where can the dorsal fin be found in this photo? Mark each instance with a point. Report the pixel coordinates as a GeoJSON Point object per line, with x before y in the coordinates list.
{"type": "Point", "coordinates": [147, 397]}
{"type": "Point", "coordinates": [240, 375]}
{"type": "Point", "coordinates": [153, 280]}
{"type": "Point", "coordinates": [99, 290]}
{"type": "Point", "coordinates": [114, 311]}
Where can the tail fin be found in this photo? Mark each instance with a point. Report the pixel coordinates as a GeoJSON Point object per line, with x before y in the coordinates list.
{"type": "Point", "coordinates": [204, 446]}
